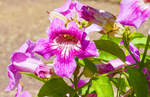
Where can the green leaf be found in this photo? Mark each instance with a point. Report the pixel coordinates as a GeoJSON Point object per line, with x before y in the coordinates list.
{"type": "Point", "coordinates": [114, 39]}
{"type": "Point", "coordinates": [103, 87]}
{"type": "Point", "coordinates": [55, 87]}
{"type": "Point", "coordinates": [136, 35]}
{"type": "Point", "coordinates": [90, 66]}
{"type": "Point", "coordinates": [34, 76]}
{"type": "Point", "coordinates": [121, 84]}
{"type": "Point", "coordinates": [110, 47]}
{"type": "Point", "coordinates": [140, 42]}
{"type": "Point", "coordinates": [106, 56]}
{"type": "Point", "coordinates": [138, 81]}
{"type": "Point", "coordinates": [84, 89]}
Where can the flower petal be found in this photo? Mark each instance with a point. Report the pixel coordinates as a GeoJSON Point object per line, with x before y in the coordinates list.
{"type": "Point", "coordinates": [25, 94]}
{"type": "Point", "coordinates": [134, 51]}
{"type": "Point", "coordinates": [93, 28]}
{"type": "Point", "coordinates": [27, 47]}
{"type": "Point", "coordinates": [64, 67]}
{"type": "Point", "coordinates": [43, 71]}
{"type": "Point", "coordinates": [133, 13]}
{"type": "Point", "coordinates": [75, 31]}
{"type": "Point", "coordinates": [88, 49]}
{"type": "Point", "coordinates": [116, 63]}
{"type": "Point", "coordinates": [14, 77]}
{"type": "Point", "coordinates": [65, 7]}
{"type": "Point", "coordinates": [56, 27]}
{"type": "Point", "coordinates": [43, 48]}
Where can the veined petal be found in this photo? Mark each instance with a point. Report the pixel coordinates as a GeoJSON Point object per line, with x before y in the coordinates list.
{"type": "Point", "coordinates": [43, 48]}
{"type": "Point", "coordinates": [75, 31]}
{"type": "Point", "coordinates": [116, 63]}
{"type": "Point", "coordinates": [134, 51]}
{"type": "Point", "coordinates": [88, 49]}
{"type": "Point", "coordinates": [55, 28]}
{"type": "Point", "coordinates": [93, 28]}
{"type": "Point", "coordinates": [64, 67]}
{"type": "Point", "coordinates": [29, 65]}
{"type": "Point", "coordinates": [19, 90]}
{"type": "Point", "coordinates": [133, 12]}
{"type": "Point", "coordinates": [27, 47]}
{"type": "Point", "coordinates": [104, 68]}
{"type": "Point", "coordinates": [65, 7]}
{"type": "Point", "coordinates": [44, 71]}
{"type": "Point", "coordinates": [14, 77]}
{"type": "Point", "coordinates": [23, 63]}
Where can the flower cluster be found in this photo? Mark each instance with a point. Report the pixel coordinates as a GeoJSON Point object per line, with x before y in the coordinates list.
{"type": "Point", "coordinates": [68, 40]}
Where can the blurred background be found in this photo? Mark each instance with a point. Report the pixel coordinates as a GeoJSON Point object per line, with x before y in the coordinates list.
{"type": "Point", "coordinates": [22, 20]}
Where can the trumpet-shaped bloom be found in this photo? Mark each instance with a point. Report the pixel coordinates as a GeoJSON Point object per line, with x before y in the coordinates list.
{"type": "Point", "coordinates": [117, 63]}
{"type": "Point", "coordinates": [23, 60]}
{"type": "Point", "coordinates": [65, 42]}
{"type": "Point", "coordinates": [70, 9]}
{"type": "Point", "coordinates": [102, 20]}
{"type": "Point", "coordinates": [134, 12]}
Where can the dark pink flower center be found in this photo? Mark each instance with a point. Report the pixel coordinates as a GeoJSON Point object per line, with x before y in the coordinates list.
{"type": "Point", "coordinates": [66, 38]}
{"type": "Point", "coordinates": [146, 1]}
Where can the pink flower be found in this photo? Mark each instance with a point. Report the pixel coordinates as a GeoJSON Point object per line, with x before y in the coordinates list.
{"type": "Point", "coordinates": [23, 60]}
{"type": "Point", "coordinates": [134, 12]}
{"type": "Point", "coordinates": [99, 19]}
{"type": "Point", "coordinates": [70, 9]}
{"type": "Point", "coordinates": [65, 42]}
{"type": "Point", "coordinates": [117, 63]}
{"type": "Point", "coordinates": [44, 71]}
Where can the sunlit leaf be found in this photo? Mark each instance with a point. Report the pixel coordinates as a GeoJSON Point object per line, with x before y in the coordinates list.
{"type": "Point", "coordinates": [103, 87]}
{"type": "Point", "coordinates": [110, 47]}
{"type": "Point", "coordinates": [55, 87]}
{"type": "Point", "coordinates": [138, 81]}
{"type": "Point", "coordinates": [90, 66]}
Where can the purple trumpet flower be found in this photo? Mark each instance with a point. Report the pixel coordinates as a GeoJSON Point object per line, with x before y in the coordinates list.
{"type": "Point", "coordinates": [23, 60]}
{"type": "Point", "coordinates": [117, 63]}
{"type": "Point", "coordinates": [65, 42]}
{"type": "Point", "coordinates": [134, 12]}
{"type": "Point", "coordinates": [101, 21]}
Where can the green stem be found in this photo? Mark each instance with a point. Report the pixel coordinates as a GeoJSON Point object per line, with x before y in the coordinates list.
{"type": "Point", "coordinates": [89, 85]}
{"type": "Point", "coordinates": [146, 49]}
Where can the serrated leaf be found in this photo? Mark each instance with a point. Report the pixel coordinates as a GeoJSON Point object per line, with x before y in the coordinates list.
{"type": "Point", "coordinates": [138, 81]}
{"type": "Point", "coordinates": [103, 87]}
{"type": "Point", "coordinates": [34, 76]}
{"type": "Point", "coordinates": [55, 87]}
{"type": "Point", "coordinates": [110, 47]}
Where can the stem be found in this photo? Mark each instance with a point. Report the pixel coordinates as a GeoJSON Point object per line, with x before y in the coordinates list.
{"type": "Point", "coordinates": [146, 49]}
{"type": "Point", "coordinates": [119, 86]}
{"type": "Point", "coordinates": [81, 75]}
{"type": "Point", "coordinates": [117, 70]}
{"type": "Point", "coordinates": [89, 85]}
{"type": "Point", "coordinates": [129, 92]}
{"type": "Point", "coordinates": [71, 80]}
